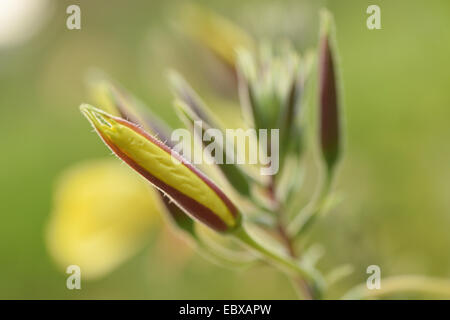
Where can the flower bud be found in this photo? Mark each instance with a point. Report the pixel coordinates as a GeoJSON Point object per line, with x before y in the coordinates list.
{"type": "Point", "coordinates": [214, 32]}
{"type": "Point", "coordinates": [329, 103]}
{"type": "Point", "coordinates": [117, 101]}
{"type": "Point", "coordinates": [190, 189]}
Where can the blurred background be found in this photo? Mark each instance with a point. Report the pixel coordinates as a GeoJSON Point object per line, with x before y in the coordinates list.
{"type": "Point", "coordinates": [394, 179]}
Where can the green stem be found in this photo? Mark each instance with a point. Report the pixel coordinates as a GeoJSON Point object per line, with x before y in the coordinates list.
{"type": "Point", "coordinates": [309, 214]}
{"type": "Point", "coordinates": [223, 258]}
{"type": "Point", "coordinates": [287, 264]}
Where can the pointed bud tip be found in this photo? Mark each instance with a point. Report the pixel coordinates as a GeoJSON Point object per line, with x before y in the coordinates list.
{"type": "Point", "coordinates": [183, 111]}
{"type": "Point", "coordinates": [326, 19]}
{"type": "Point", "coordinates": [98, 118]}
{"type": "Point", "coordinates": [176, 81]}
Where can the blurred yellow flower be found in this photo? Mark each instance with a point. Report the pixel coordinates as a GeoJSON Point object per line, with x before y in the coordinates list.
{"type": "Point", "coordinates": [213, 31]}
{"type": "Point", "coordinates": [102, 214]}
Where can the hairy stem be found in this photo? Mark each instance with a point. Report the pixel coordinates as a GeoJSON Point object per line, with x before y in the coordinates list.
{"type": "Point", "coordinates": [286, 263]}
{"type": "Point", "coordinates": [309, 214]}
{"type": "Point", "coordinates": [302, 287]}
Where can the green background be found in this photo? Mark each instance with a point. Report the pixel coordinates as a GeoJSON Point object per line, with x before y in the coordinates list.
{"type": "Point", "coordinates": [394, 179]}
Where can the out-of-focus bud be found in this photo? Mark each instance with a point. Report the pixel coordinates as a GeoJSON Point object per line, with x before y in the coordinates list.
{"type": "Point", "coordinates": [232, 173]}
{"type": "Point", "coordinates": [190, 109]}
{"type": "Point", "coordinates": [115, 100]}
{"type": "Point", "coordinates": [246, 69]}
{"type": "Point", "coordinates": [330, 136]}
{"type": "Point", "coordinates": [269, 84]}
{"type": "Point", "coordinates": [102, 214]}
{"type": "Point", "coordinates": [190, 189]}
{"type": "Point", "coordinates": [183, 92]}
{"type": "Point", "coordinates": [215, 32]}
{"type": "Point", "coordinates": [270, 88]}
